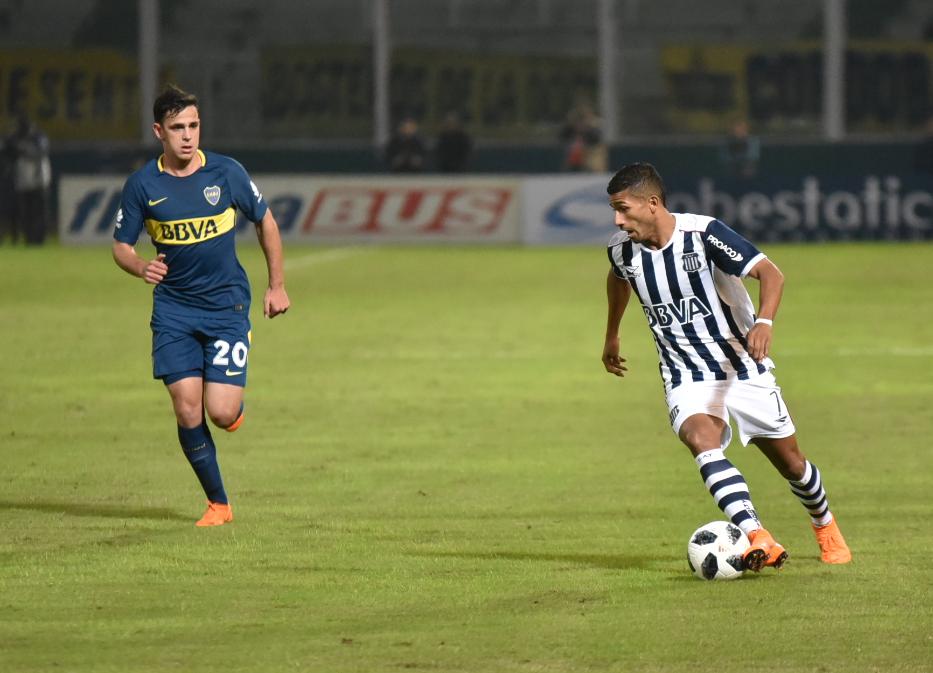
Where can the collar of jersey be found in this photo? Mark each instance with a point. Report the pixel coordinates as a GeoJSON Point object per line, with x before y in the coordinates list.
{"type": "Point", "coordinates": [669, 243]}
{"type": "Point", "coordinates": [200, 154]}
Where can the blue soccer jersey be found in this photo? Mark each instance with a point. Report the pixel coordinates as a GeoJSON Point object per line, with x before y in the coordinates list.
{"type": "Point", "coordinates": [192, 220]}
{"type": "Point", "coordinates": [692, 294]}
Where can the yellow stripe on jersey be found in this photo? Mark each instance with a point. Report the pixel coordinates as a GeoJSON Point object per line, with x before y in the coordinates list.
{"type": "Point", "coordinates": [186, 232]}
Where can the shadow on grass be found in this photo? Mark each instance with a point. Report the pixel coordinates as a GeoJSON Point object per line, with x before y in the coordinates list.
{"type": "Point", "coordinates": [610, 561]}
{"type": "Point", "coordinates": [95, 510]}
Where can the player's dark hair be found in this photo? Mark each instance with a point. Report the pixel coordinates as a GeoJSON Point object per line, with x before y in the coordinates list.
{"type": "Point", "coordinates": [171, 101]}
{"type": "Point", "coordinates": [642, 179]}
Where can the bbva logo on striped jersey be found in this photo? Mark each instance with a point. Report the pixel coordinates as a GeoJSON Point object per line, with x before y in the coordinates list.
{"type": "Point", "coordinates": [733, 254]}
{"type": "Point", "coordinates": [683, 311]}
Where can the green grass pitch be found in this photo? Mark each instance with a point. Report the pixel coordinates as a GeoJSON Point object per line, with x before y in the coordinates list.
{"type": "Point", "coordinates": [436, 474]}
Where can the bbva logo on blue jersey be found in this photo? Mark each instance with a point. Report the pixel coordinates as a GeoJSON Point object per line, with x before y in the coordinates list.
{"type": "Point", "coordinates": [183, 231]}
{"type": "Point", "coordinates": [684, 311]}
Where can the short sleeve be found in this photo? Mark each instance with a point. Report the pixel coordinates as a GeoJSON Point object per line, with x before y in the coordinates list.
{"type": "Point", "coordinates": [617, 272]}
{"type": "Point", "coordinates": [730, 251]}
{"type": "Point", "coordinates": [130, 216]}
{"type": "Point", "coordinates": [246, 195]}
{"type": "Point", "coordinates": [616, 241]}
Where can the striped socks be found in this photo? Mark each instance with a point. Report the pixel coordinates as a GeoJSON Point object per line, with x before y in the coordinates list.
{"type": "Point", "coordinates": [809, 490]}
{"type": "Point", "coordinates": [728, 488]}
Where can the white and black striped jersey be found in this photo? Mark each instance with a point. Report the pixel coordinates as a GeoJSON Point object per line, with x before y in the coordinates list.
{"type": "Point", "coordinates": [694, 299]}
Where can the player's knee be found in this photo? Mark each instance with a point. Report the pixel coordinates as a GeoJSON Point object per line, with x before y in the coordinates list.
{"type": "Point", "coordinates": [700, 439]}
{"type": "Point", "coordinates": [793, 468]}
{"type": "Point", "coordinates": [702, 432]}
{"type": "Point", "coordinates": [221, 419]}
{"type": "Point", "coordinates": [188, 415]}
{"type": "Point", "coordinates": [698, 442]}
{"type": "Point", "coordinates": [224, 417]}
{"type": "Point", "coordinates": [785, 455]}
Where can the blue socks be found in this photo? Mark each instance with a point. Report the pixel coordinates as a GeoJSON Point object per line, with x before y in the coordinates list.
{"type": "Point", "coordinates": [202, 454]}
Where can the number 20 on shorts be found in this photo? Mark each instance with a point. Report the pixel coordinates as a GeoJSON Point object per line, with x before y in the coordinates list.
{"type": "Point", "coordinates": [225, 353]}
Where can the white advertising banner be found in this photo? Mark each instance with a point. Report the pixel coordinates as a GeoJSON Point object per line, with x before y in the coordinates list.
{"type": "Point", "coordinates": [87, 207]}
{"type": "Point", "coordinates": [566, 209]}
{"type": "Point", "coordinates": [333, 209]}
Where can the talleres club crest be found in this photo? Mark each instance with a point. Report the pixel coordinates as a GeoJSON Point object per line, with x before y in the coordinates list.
{"type": "Point", "coordinates": [212, 194]}
{"type": "Point", "coordinates": [692, 262]}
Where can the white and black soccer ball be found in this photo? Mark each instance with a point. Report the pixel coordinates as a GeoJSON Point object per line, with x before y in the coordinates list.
{"type": "Point", "coordinates": [715, 551]}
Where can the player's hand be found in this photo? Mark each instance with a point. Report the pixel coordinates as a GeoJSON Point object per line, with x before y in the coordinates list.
{"type": "Point", "coordinates": [155, 270]}
{"type": "Point", "coordinates": [611, 359]}
{"type": "Point", "coordinates": [275, 302]}
{"type": "Point", "coordinates": [759, 341]}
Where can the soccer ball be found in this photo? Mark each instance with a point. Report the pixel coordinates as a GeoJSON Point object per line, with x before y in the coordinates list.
{"type": "Point", "coordinates": [715, 551]}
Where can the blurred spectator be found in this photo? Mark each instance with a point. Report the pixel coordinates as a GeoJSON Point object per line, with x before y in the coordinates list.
{"type": "Point", "coordinates": [923, 154]}
{"type": "Point", "coordinates": [6, 192]}
{"type": "Point", "coordinates": [582, 134]}
{"type": "Point", "coordinates": [406, 151]}
{"type": "Point", "coordinates": [28, 149]}
{"type": "Point", "coordinates": [741, 151]}
{"type": "Point", "coordinates": [454, 145]}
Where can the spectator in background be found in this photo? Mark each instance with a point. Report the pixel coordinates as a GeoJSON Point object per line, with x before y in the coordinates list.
{"type": "Point", "coordinates": [454, 145]}
{"type": "Point", "coordinates": [406, 152]}
{"type": "Point", "coordinates": [923, 154]}
{"type": "Point", "coordinates": [582, 135]}
{"type": "Point", "coordinates": [28, 148]}
{"type": "Point", "coordinates": [741, 151]}
{"type": "Point", "coordinates": [6, 192]}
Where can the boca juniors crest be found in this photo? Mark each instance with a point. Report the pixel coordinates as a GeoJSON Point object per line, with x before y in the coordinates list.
{"type": "Point", "coordinates": [212, 194]}
{"type": "Point", "coordinates": [692, 262]}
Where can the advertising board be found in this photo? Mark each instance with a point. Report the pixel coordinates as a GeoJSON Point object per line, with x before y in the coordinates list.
{"type": "Point", "coordinates": [567, 210]}
{"type": "Point", "coordinates": [333, 210]}
{"type": "Point", "coordinates": [546, 210]}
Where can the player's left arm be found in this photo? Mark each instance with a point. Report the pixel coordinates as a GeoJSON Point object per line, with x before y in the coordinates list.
{"type": "Point", "coordinates": [275, 300]}
{"type": "Point", "coordinates": [770, 288]}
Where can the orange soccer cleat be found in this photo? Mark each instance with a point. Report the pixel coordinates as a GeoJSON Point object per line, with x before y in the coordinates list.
{"type": "Point", "coordinates": [764, 551]}
{"type": "Point", "coordinates": [833, 547]}
{"type": "Point", "coordinates": [217, 514]}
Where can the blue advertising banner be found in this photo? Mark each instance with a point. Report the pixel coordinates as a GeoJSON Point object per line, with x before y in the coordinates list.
{"type": "Point", "coordinates": [808, 208]}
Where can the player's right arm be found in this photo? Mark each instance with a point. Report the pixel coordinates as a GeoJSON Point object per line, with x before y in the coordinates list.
{"type": "Point", "coordinates": [152, 271]}
{"type": "Point", "coordinates": [618, 292]}
{"type": "Point", "coordinates": [126, 232]}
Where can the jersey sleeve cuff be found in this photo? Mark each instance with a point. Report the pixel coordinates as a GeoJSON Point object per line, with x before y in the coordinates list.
{"type": "Point", "coordinates": [751, 263]}
{"type": "Point", "coordinates": [262, 214]}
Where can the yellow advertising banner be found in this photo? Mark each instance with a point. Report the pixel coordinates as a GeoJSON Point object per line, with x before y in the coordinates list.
{"type": "Point", "coordinates": [889, 86]}
{"type": "Point", "coordinates": [327, 91]}
{"type": "Point", "coordinates": [88, 94]}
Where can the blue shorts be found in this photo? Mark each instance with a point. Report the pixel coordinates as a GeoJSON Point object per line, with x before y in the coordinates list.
{"type": "Point", "coordinates": [214, 348]}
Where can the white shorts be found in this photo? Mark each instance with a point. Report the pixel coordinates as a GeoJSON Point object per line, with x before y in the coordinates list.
{"type": "Point", "coordinates": [755, 404]}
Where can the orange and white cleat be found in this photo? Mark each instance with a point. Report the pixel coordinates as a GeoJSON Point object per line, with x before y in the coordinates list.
{"type": "Point", "coordinates": [833, 547]}
{"type": "Point", "coordinates": [217, 514]}
{"type": "Point", "coordinates": [764, 551]}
